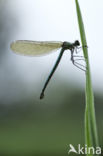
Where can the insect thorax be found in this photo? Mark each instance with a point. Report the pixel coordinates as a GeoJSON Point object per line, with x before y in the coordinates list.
{"type": "Point", "coordinates": [70, 46]}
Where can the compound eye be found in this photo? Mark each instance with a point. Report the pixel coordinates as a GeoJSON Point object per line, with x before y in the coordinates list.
{"type": "Point", "coordinates": [77, 43]}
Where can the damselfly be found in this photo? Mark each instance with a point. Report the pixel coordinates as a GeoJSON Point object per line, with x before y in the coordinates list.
{"type": "Point", "coordinates": [36, 48]}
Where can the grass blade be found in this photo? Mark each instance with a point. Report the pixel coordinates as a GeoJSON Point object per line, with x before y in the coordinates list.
{"type": "Point", "coordinates": [91, 137]}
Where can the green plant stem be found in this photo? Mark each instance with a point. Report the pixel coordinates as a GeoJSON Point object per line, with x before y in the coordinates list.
{"type": "Point", "coordinates": [91, 137]}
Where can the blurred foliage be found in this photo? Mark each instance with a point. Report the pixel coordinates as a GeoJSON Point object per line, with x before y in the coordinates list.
{"type": "Point", "coordinates": [28, 127]}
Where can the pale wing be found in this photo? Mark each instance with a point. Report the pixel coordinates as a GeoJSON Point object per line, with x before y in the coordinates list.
{"type": "Point", "coordinates": [34, 48]}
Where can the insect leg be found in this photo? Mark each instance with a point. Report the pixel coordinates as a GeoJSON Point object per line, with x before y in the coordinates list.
{"type": "Point", "coordinates": [78, 66]}
{"type": "Point", "coordinates": [77, 56]}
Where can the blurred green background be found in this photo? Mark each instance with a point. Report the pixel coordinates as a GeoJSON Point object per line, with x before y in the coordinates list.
{"type": "Point", "coordinates": [29, 126]}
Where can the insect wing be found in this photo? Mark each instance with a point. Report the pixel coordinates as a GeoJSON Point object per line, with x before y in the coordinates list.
{"type": "Point", "coordinates": [34, 48]}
